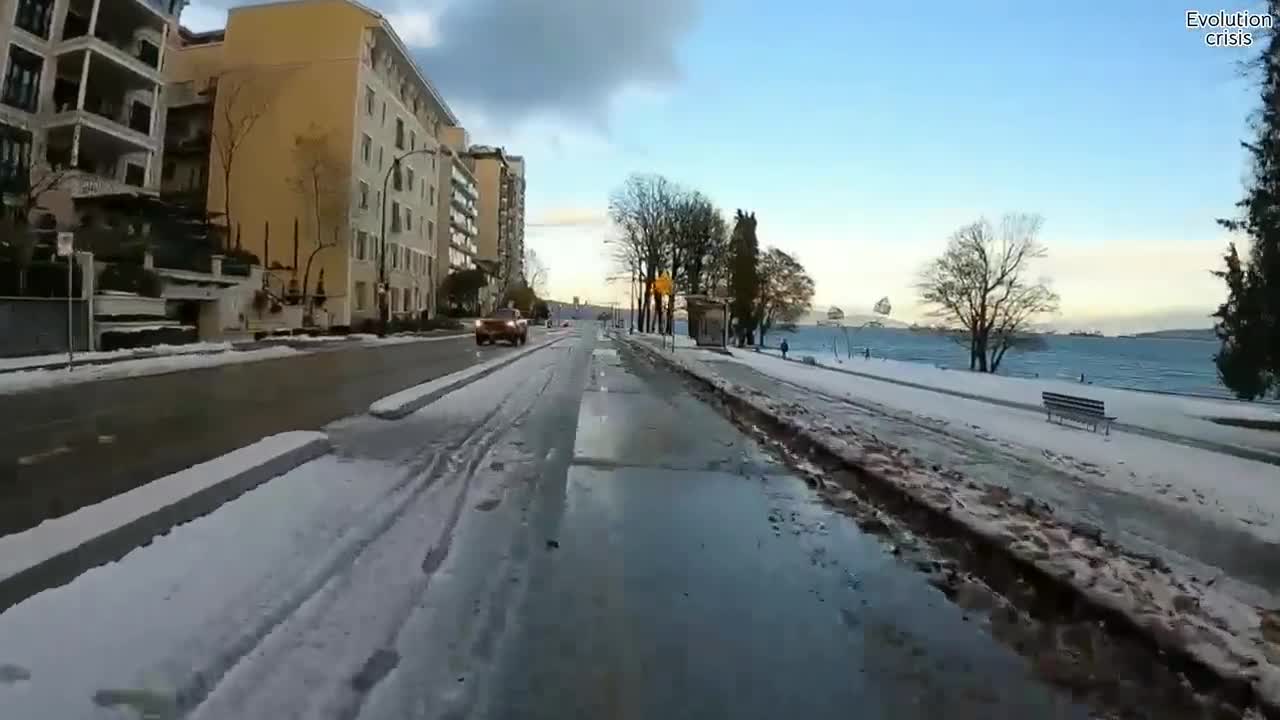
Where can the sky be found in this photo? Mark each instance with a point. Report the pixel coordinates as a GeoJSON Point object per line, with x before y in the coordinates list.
{"type": "Point", "coordinates": [863, 134]}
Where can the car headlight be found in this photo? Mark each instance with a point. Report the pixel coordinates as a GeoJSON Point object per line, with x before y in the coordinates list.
{"type": "Point", "coordinates": [479, 324]}
{"type": "Point", "coordinates": [510, 323]}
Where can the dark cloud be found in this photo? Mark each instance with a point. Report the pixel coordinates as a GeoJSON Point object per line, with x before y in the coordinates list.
{"type": "Point", "coordinates": [513, 58]}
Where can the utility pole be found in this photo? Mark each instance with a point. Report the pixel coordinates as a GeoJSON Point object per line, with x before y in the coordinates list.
{"type": "Point", "coordinates": [384, 306]}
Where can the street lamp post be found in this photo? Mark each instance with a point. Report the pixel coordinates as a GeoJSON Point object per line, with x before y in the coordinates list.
{"type": "Point", "coordinates": [384, 305]}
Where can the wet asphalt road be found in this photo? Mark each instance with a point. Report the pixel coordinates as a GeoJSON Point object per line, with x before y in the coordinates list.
{"type": "Point", "coordinates": [577, 536]}
{"type": "Point", "coordinates": [64, 448]}
{"type": "Point", "coordinates": [628, 567]}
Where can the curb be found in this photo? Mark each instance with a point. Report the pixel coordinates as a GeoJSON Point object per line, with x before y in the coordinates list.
{"type": "Point", "coordinates": [408, 401]}
{"type": "Point", "coordinates": [57, 551]}
{"type": "Point", "coordinates": [1242, 670]}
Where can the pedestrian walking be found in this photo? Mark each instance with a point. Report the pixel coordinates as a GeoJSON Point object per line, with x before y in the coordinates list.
{"type": "Point", "coordinates": [785, 347]}
{"type": "Point", "coordinates": [866, 353]}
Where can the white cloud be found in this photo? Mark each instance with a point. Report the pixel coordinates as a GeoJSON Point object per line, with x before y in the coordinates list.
{"type": "Point", "coordinates": [417, 28]}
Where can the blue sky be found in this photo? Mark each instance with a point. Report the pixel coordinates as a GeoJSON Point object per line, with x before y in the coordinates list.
{"type": "Point", "coordinates": [863, 134]}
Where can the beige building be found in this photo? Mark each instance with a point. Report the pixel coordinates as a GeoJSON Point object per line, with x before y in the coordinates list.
{"type": "Point", "coordinates": [456, 222]}
{"type": "Point", "coordinates": [81, 101]}
{"type": "Point", "coordinates": [318, 99]}
{"type": "Point", "coordinates": [500, 225]}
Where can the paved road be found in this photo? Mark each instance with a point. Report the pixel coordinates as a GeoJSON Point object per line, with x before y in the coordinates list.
{"type": "Point", "coordinates": [65, 448]}
{"type": "Point", "coordinates": [578, 537]}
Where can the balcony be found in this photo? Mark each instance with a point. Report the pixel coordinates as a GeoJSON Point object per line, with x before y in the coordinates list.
{"type": "Point", "coordinates": [102, 163]}
{"type": "Point", "coordinates": [128, 33]}
{"type": "Point", "coordinates": [115, 101]}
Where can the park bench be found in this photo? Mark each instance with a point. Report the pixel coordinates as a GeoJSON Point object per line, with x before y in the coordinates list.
{"type": "Point", "coordinates": [1082, 410]}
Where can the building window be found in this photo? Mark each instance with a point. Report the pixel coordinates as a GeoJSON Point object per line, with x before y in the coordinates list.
{"type": "Point", "coordinates": [362, 295]}
{"type": "Point", "coordinates": [15, 158]}
{"type": "Point", "coordinates": [408, 180]}
{"type": "Point", "coordinates": [366, 148]}
{"type": "Point", "coordinates": [379, 157]}
{"type": "Point", "coordinates": [364, 195]}
{"type": "Point", "coordinates": [413, 140]}
{"type": "Point", "coordinates": [362, 245]}
{"type": "Point", "coordinates": [22, 79]}
{"type": "Point", "coordinates": [384, 113]}
{"type": "Point", "coordinates": [395, 216]}
{"type": "Point", "coordinates": [395, 256]}
{"type": "Point", "coordinates": [368, 101]}
{"type": "Point", "coordinates": [408, 220]}
{"type": "Point", "coordinates": [397, 181]}
{"type": "Point", "coordinates": [433, 196]}
{"type": "Point", "coordinates": [399, 134]}
{"type": "Point", "coordinates": [431, 230]}
{"type": "Point", "coordinates": [34, 16]}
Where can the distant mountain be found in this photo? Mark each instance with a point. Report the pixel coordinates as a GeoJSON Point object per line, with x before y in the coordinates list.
{"type": "Point", "coordinates": [1195, 334]}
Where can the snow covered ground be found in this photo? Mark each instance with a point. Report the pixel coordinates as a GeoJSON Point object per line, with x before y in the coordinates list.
{"type": "Point", "coordinates": [1173, 414]}
{"type": "Point", "coordinates": [281, 596]}
{"type": "Point", "coordinates": [35, 361]}
{"type": "Point", "coordinates": [1220, 485]}
{"type": "Point", "coordinates": [26, 380]}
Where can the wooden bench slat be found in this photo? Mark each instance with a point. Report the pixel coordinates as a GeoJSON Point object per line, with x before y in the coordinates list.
{"type": "Point", "coordinates": [1085, 410]}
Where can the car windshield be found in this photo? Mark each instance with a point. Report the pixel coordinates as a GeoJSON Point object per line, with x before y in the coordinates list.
{"type": "Point", "coordinates": [506, 314]}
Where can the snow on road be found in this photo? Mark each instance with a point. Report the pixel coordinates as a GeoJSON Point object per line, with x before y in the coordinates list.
{"type": "Point", "coordinates": [268, 607]}
{"type": "Point", "coordinates": [26, 380]}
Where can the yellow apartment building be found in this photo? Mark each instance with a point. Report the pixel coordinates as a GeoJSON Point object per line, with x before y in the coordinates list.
{"type": "Point", "coordinates": [305, 107]}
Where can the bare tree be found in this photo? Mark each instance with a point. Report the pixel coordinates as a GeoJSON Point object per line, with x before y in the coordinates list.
{"type": "Point", "coordinates": [640, 209]}
{"type": "Point", "coordinates": [979, 285]}
{"type": "Point", "coordinates": [241, 100]}
{"type": "Point", "coordinates": [535, 271]}
{"type": "Point", "coordinates": [322, 181]}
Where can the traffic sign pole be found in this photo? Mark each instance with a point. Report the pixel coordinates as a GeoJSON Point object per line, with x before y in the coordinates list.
{"type": "Point", "coordinates": [66, 248]}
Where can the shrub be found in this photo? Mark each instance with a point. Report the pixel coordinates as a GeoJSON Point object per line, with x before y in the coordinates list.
{"type": "Point", "coordinates": [339, 329]}
{"type": "Point", "coordinates": [126, 277]}
{"type": "Point", "coordinates": [147, 338]}
{"type": "Point", "coordinates": [441, 323]}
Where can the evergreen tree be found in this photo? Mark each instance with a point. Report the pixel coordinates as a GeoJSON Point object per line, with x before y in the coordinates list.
{"type": "Point", "coordinates": [1249, 321]}
{"type": "Point", "coordinates": [743, 274]}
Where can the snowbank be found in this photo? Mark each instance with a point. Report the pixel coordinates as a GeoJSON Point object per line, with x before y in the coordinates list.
{"type": "Point", "coordinates": [35, 361]}
{"type": "Point", "coordinates": [415, 398]}
{"type": "Point", "coordinates": [27, 380]}
{"type": "Point", "coordinates": [57, 550]}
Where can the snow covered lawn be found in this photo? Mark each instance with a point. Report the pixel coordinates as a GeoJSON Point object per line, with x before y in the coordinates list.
{"type": "Point", "coordinates": [27, 380]}
{"type": "Point", "coordinates": [1221, 487]}
{"type": "Point", "coordinates": [1177, 415]}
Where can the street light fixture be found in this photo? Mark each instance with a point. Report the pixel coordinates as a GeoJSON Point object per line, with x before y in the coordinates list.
{"type": "Point", "coordinates": [384, 304]}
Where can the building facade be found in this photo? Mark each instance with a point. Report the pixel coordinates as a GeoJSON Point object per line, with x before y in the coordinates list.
{"type": "Point", "coordinates": [330, 132]}
{"type": "Point", "coordinates": [81, 99]}
{"type": "Point", "coordinates": [500, 221]}
{"type": "Point", "coordinates": [456, 237]}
